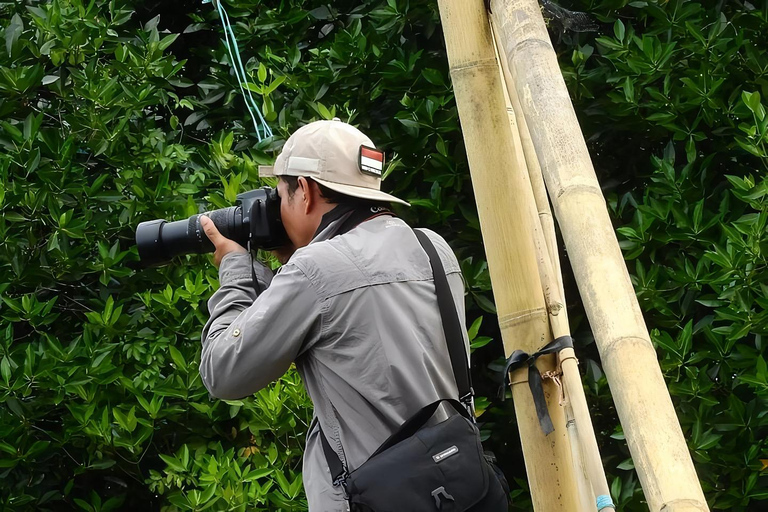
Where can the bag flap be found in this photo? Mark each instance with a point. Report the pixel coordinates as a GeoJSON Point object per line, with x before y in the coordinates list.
{"type": "Point", "coordinates": [441, 467]}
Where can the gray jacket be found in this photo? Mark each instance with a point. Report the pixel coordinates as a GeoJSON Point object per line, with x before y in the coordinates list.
{"type": "Point", "coordinates": [358, 314]}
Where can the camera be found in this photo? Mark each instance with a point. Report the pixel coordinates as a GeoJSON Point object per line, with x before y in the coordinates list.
{"type": "Point", "coordinates": [254, 219]}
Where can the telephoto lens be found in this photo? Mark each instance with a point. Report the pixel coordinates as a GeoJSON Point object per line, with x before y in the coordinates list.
{"type": "Point", "coordinates": [256, 218]}
{"type": "Point", "coordinates": [159, 241]}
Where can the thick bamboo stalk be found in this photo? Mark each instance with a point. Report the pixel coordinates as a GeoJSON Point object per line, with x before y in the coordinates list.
{"type": "Point", "coordinates": [576, 407]}
{"type": "Point", "coordinates": [590, 474]}
{"type": "Point", "coordinates": [541, 220]}
{"type": "Point", "coordinates": [584, 451]}
{"type": "Point", "coordinates": [652, 431]}
{"type": "Point", "coordinates": [508, 243]}
{"type": "Point", "coordinates": [546, 219]}
{"type": "Point", "coordinates": [526, 157]}
{"type": "Point", "coordinates": [579, 420]}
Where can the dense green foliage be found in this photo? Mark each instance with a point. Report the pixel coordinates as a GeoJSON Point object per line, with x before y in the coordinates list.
{"type": "Point", "coordinates": [671, 100]}
{"type": "Point", "coordinates": [111, 115]}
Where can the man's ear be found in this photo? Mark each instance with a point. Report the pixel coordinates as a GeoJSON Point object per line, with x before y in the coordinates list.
{"type": "Point", "coordinates": [308, 192]}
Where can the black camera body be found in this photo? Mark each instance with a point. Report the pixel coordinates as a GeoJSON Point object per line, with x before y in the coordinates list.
{"type": "Point", "coordinates": [255, 219]}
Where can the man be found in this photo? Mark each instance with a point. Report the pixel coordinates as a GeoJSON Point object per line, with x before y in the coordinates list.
{"type": "Point", "coordinates": [354, 306]}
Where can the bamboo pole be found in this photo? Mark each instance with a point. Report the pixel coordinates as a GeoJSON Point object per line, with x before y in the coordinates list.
{"type": "Point", "coordinates": [509, 244]}
{"type": "Point", "coordinates": [642, 401]}
{"type": "Point", "coordinates": [534, 172]}
{"type": "Point", "coordinates": [546, 250]}
{"type": "Point", "coordinates": [526, 157]}
{"type": "Point", "coordinates": [576, 402]}
{"type": "Point", "coordinates": [537, 183]}
{"type": "Point", "coordinates": [586, 453]}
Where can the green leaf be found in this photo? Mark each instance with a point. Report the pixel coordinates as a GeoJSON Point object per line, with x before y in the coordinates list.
{"type": "Point", "coordinates": [103, 464]}
{"type": "Point", "coordinates": [752, 101]}
{"type": "Point", "coordinates": [84, 505]}
{"type": "Point", "coordinates": [619, 30]}
{"type": "Point", "coordinates": [433, 76]}
{"type": "Point", "coordinates": [480, 341]}
{"type": "Point", "coordinates": [472, 332]}
{"type": "Point", "coordinates": [283, 482]}
{"type": "Point", "coordinates": [167, 41]}
{"type": "Point", "coordinates": [262, 73]}
{"type": "Point", "coordinates": [5, 370]}
{"type": "Point", "coordinates": [762, 369]}
{"type": "Point", "coordinates": [177, 357]}
{"type": "Point", "coordinates": [127, 421]}
{"type": "Point", "coordinates": [173, 463]}
{"type": "Point", "coordinates": [484, 303]}
{"type": "Point", "coordinates": [12, 32]}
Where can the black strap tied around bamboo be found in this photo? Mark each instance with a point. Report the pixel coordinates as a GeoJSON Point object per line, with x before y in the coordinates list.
{"type": "Point", "coordinates": [518, 359]}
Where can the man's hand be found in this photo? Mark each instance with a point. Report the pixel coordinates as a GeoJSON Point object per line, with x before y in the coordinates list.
{"type": "Point", "coordinates": [222, 244]}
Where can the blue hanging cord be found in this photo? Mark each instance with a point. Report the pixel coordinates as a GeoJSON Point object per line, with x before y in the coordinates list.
{"type": "Point", "coordinates": [242, 75]}
{"type": "Point", "coordinates": [604, 501]}
{"type": "Point", "coordinates": [237, 66]}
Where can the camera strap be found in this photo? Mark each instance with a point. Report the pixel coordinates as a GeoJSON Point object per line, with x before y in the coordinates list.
{"type": "Point", "coordinates": [347, 217]}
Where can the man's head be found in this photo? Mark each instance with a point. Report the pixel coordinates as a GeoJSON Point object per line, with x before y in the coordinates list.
{"type": "Point", "coordinates": [323, 164]}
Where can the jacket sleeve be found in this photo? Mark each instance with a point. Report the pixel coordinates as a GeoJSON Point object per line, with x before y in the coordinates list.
{"type": "Point", "coordinates": [251, 339]}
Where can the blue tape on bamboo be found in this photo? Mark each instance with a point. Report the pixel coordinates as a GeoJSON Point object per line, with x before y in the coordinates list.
{"type": "Point", "coordinates": [262, 129]}
{"type": "Point", "coordinates": [604, 501]}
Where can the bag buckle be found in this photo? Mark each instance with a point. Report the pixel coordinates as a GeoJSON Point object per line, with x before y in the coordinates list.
{"type": "Point", "coordinates": [466, 401]}
{"type": "Point", "coordinates": [437, 493]}
{"type": "Point", "coordinates": [341, 480]}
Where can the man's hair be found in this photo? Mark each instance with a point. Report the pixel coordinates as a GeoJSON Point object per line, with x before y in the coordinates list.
{"type": "Point", "coordinates": [329, 195]}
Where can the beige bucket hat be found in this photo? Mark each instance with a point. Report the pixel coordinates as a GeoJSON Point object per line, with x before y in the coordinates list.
{"type": "Point", "coordinates": [336, 155]}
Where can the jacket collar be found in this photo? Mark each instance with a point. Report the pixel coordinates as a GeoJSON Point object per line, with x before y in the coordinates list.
{"type": "Point", "coordinates": [344, 218]}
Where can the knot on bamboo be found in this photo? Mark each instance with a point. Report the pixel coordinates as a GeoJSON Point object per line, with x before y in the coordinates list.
{"type": "Point", "coordinates": [520, 359]}
{"type": "Point", "coordinates": [555, 308]}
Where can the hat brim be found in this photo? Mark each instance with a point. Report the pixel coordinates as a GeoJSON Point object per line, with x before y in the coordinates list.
{"type": "Point", "coordinates": [361, 192]}
{"type": "Point", "coordinates": [347, 190]}
{"type": "Point", "coordinates": [267, 171]}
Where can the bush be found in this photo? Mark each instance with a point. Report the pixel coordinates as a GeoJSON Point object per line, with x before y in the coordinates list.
{"type": "Point", "coordinates": [116, 112]}
{"type": "Point", "coordinates": [680, 83]}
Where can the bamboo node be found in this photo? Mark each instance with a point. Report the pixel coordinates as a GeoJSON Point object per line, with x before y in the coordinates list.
{"type": "Point", "coordinates": [520, 317]}
{"type": "Point", "coordinates": [585, 186]}
{"type": "Point", "coordinates": [473, 65]}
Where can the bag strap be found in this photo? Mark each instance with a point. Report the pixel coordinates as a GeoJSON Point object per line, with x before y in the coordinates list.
{"type": "Point", "coordinates": [459, 364]}
{"type": "Point", "coordinates": [451, 324]}
{"type": "Point", "coordinates": [415, 422]}
{"type": "Point", "coordinates": [338, 473]}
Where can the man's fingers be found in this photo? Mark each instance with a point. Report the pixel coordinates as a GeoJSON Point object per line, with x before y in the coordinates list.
{"type": "Point", "coordinates": [210, 230]}
{"type": "Point", "coordinates": [222, 244]}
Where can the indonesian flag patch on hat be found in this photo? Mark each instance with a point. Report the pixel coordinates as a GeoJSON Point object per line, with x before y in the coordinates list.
{"type": "Point", "coordinates": [371, 161]}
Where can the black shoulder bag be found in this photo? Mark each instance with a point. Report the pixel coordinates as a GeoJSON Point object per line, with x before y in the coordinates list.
{"type": "Point", "coordinates": [439, 467]}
